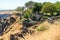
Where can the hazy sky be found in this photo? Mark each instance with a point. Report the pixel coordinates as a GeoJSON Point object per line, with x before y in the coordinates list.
{"type": "Point", "coordinates": [12, 4]}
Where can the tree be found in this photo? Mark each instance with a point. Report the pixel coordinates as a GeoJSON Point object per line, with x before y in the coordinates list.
{"type": "Point", "coordinates": [19, 9]}
{"type": "Point", "coordinates": [29, 4]}
{"type": "Point", "coordinates": [48, 8]}
{"type": "Point", "coordinates": [27, 13]}
{"type": "Point", "coordinates": [57, 4]}
{"type": "Point", "coordinates": [37, 8]}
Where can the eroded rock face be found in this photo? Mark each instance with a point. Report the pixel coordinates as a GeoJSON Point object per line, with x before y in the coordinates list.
{"type": "Point", "coordinates": [27, 23]}
{"type": "Point", "coordinates": [6, 23]}
{"type": "Point", "coordinates": [3, 25]}
{"type": "Point", "coordinates": [12, 20]}
{"type": "Point", "coordinates": [11, 37]}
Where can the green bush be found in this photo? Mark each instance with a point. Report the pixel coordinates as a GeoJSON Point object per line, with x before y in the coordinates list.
{"type": "Point", "coordinates": [27, 13]}
{"type": "Point", "coordinates": [41, 28]}
{"type": "Point", "coordinates": [49, 14]}
{"type": "Point", "coordinates": [45, 17]}
{"type": "Point", "coordinates": [54, 13]}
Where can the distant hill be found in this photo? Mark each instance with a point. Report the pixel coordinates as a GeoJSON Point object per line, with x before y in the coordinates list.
{"type": "Point", "coordinates": [6, 10]}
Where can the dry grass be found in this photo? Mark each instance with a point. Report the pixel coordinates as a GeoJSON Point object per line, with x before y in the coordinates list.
{"type": "Point", "coordinates": [53, 33]}
{"type": "Point", "coordinates": [13, 29]}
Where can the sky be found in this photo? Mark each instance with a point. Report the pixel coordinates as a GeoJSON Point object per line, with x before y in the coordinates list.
{"type": "Point", "coordinates": [12, 4]}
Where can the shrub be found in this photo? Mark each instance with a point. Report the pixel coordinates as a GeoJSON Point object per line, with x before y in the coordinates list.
{"type": "Point", "coordinates": [49, 14]}
{"type": "Point", "coordinates": [54, 13]}
{"type": "Point", "coordinates": [45, 17]}
{"type": "Point", "coordinates": [41, 28]}
{"type": "Point", "coordinates": [27, 13]}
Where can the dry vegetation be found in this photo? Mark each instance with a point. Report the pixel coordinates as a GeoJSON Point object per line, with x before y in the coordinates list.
{"type": "Point", "coordinates": [52, 33]}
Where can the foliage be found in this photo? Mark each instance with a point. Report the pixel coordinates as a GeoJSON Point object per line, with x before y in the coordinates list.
{"type": "Point", "coordinates": [19, 9]}
{"type": "Point", "coordinates": [45, 17]}
{"type": "Point", "coordinates": [55, 13]}
{"type": "Point", "coordinates": [27, 13]}
{"type": "Point", "coordinates": [29, 4]}
{"type": "Point", "coordinates": [41, 27]}
{"type": "Point", "coordinates": [48, 8]}
{"type": "Point", "coordinates": [37, 7]}
{"type": "Point", "coordinates": [57, 4]}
